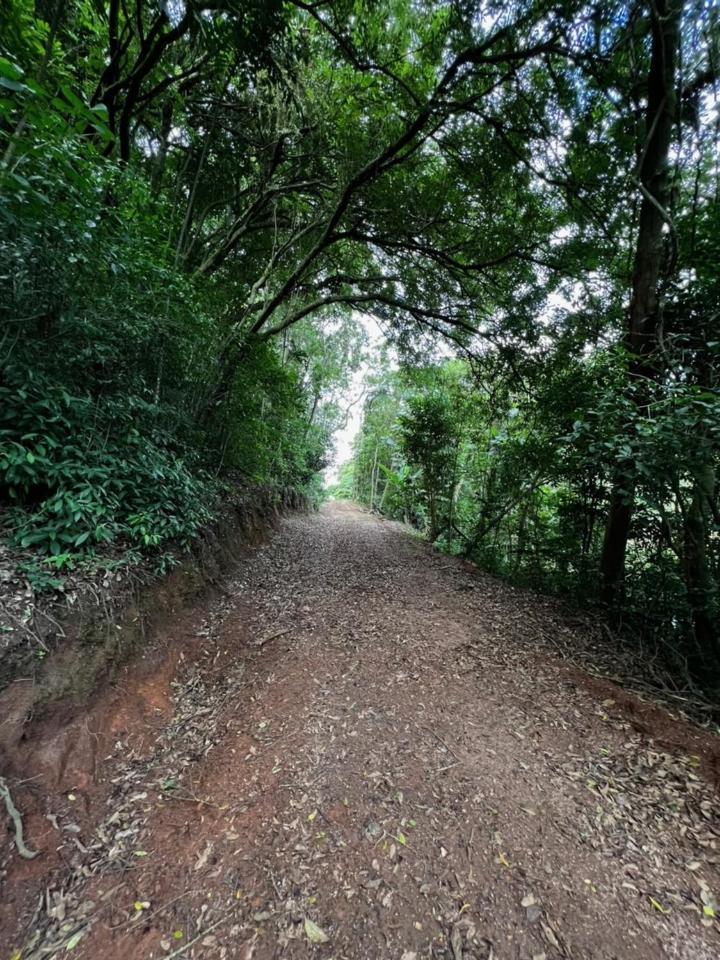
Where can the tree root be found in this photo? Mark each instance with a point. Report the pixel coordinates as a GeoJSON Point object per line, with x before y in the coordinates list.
{"type": "Point", "coordinates": [17, 820]}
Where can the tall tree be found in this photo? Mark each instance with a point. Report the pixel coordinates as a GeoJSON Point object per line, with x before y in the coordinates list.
{"type": "Point", "coordinates": [652, 259]}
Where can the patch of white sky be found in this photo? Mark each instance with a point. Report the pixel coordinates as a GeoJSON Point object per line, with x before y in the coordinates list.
{"type": "Point", "coordinates": [353, 398]}
{"type": "Point", "coordinates": [378, 354]}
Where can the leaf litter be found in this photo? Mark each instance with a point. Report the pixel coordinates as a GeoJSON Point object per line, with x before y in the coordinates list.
{"type": "Point", "coordinates": [404, 761]}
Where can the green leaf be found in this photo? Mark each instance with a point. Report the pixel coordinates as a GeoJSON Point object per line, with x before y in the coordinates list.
{"type": "Point", "coordinates": [75, 939]}
{"type": "Point", "coordinates": [9, 69]}
{"type": "Point", "coordinates": [13, 85]}
{"type": "Point", "coordinates": [314, 933]}
{"type": "Point", "coordinates": [658, 906]}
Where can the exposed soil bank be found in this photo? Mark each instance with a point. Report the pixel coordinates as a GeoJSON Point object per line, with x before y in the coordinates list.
{"type": "Point", "coordinates": [93, 636]}
{"type": "Point", "coordinates": [360, 749]}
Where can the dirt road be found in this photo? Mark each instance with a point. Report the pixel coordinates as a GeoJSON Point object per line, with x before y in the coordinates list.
{"type": "Point", "coordinates": [368, 751]}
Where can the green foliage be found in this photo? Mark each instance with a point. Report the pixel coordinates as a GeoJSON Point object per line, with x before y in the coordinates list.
{"type": "Point", "coordinates": [344, 487]}
{"type": "Point", "coordinates": [520, 483]}
{"type": "Point", "coordinates": [79, 474]}
{"type": "Point", "coordinates": [196, 198]}
{"type": "Point", "coordinates": [429, 441]}
{"type": "Point", "coordinates": [110, 439]}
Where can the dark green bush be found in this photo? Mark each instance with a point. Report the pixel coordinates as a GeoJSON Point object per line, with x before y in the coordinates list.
{"type": "Point", "coordinates": [77, 473]}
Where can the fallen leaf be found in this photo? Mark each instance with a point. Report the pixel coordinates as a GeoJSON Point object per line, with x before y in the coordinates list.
{"type": "Point", "coordinates": [74, 940]}
{"type": "Point", "coordinates": [706, 896]}
{"type": "Point", "coordinates": [550, 935]}
{"type": "Point", "coordinates": [314, 933]}
{"type": "Point", "coordinates": [204, 856]}
{"type": "Point", "coordinates": [658, 906]}
{"type": "Point", "coordinates": [456, 943]}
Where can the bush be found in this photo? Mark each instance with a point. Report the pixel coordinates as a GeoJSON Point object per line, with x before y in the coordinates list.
{"type": "Point", "coordinates": [77, 472]}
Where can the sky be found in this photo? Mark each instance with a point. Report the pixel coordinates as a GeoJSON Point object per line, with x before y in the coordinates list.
{"type": "Point", "coordinates": [352, 401]}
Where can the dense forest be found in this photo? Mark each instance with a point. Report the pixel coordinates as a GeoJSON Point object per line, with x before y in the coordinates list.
{"type": "Point", "coordinates": [198, 201]}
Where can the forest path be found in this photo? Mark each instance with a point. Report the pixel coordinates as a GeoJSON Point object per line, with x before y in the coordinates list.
{"type": "Point", "coordinates": [376, 746]}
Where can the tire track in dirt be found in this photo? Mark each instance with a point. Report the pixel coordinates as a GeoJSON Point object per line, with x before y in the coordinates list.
{"type": "Point", "coordinates": [378, 757]}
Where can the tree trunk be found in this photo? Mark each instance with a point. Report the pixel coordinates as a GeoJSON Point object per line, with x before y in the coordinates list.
{"type": "Point", "coordinates": [645, 306]}
{"type": "Point", "coordinates": [701, 587]}
{"type": "Point", "coordinates": [373, 478]}
{"type": "Point", "coordinates": [700, 581]}
{"type": "Point", "coordinates": [432, 508]}
{"type": "Point", "coordinates": [158, 169]}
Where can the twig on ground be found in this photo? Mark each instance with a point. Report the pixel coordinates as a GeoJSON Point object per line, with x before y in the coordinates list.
{"type": "Point", "coordinates": [273, 636]}
{"type": "Point", "coordinates": [442, 743]}
{"type": "Point", "coordinates": [14, 815]}
{"type": "Point", "coordinates": [191, 799]}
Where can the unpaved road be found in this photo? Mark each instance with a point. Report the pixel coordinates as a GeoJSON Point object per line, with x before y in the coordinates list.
{"type": "Point", "coordinates": [371, 746]}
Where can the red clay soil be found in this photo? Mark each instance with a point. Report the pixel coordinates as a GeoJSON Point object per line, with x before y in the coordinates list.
{"type": "Point", "coordinates": [364, 750]}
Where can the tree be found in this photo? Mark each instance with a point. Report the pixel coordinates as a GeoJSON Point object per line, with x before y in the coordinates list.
{"type": "Point", "coordinates": [645, 315]}
{"type": "Point", "coordinates": [429, 441]}
{"type": "Point", "coordinates": [198, 199]}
